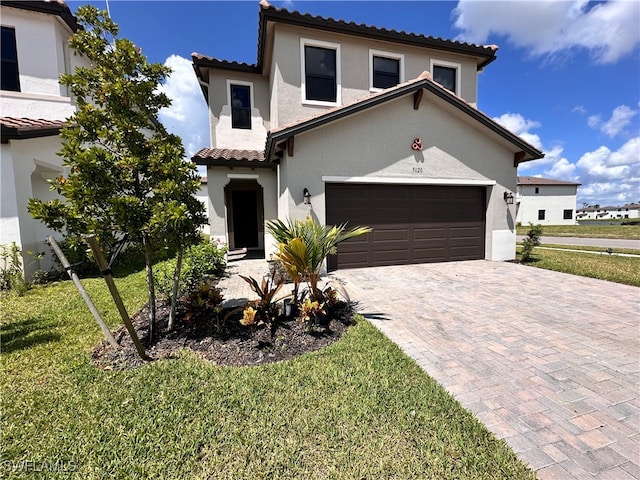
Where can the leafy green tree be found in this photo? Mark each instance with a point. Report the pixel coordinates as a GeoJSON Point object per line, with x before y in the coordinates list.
{"type": "Point", "coordinates": [127, 174]}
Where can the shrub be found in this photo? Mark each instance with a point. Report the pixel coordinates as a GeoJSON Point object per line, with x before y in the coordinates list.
{"type": "Point", "coordinates": [203, 303]}
{"type": "Point", "coordinates": [532, 241]}
{"type": "Point", "coordinates": [206, 259]}
{"type": "Point", "coordinates": [11, 273]}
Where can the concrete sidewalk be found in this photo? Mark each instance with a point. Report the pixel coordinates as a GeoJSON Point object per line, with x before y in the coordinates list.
{"type": "Point", "coordinates": [587, 242]}
{"type": "Point", "coordinates": [550, 362]}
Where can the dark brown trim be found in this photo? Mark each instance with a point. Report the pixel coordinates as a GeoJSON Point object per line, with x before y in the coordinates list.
{"type": "Point", "coordinates": [273, 139]}
{"type": "Point", "coordinates": [51, 8]}
{"type": "Point", "coordinates": [518, 158]}
{"type": "Point", "coordinates": [417, 98]}
{"type": "Point", "coordinates": [9, 133]}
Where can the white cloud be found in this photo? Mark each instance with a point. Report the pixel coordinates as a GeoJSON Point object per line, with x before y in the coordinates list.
{"type": "Point", "coordinates": [187, 117]}
{"type": "Point", "coordinates": [561, 169]}
{"type": "Point", "coordinates": [620, 118]}
{"type": "Point", "coordinates": [608, 30]}
{"type": "Point", "coordinates": [610, 175]}
{"type": "Point", "coordinates": [519, 125]}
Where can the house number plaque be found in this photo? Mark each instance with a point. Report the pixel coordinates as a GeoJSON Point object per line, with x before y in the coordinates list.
{"type": "Point", "coordinates": [417, 169]}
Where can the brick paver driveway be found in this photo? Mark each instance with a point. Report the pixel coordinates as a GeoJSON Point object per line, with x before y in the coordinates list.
{"type": "Point", "coordinates": [549, 362]}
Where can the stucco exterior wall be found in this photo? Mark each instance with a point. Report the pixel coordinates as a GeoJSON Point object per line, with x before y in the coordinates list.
{"type": "Point", "coordinates": [26, 166]}
{"type": "Point", "coordinates": [219, 177]}
{"type": "Point", "coordinates": [354, 62]}
{"type": "Point", "coordinates": [222, 134]}
{"type": "Point", "coordinates": [553, 199]}
{"type": "Point", "coordinates": [375, 146]}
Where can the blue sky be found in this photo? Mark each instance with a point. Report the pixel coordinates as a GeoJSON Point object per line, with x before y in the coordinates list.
{"type": "Point", "coordinates": [567, 76]}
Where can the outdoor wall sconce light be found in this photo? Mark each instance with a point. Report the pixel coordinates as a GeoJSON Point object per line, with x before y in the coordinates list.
{"type": "Point", "coordinates": [307, 196]}
{"type": "Point", "coordinates": [416, 145]}
{"type": "Point", "coordinates": [508, 197]}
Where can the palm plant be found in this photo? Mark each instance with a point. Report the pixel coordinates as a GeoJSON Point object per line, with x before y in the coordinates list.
{"type": "Point", "coordinates": [303, 247]}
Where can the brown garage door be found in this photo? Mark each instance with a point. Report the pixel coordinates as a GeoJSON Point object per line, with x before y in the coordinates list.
{"type": "Point", "coordinates": [411, 223]}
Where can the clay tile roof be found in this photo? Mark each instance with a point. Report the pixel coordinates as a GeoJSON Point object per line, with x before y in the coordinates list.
{"type": "Point", "coordinates": [21, 128]}
{"type": "Point", "coordinates": [484, 53]}
{"type": "Point", "coordinates": [51, 7]}
{"type": "Point", "coordinates": [425, 81]}
{"type": "Point", "coordinates": [229, 157]}
{"type": "Point", "coordinates": [543, 181]}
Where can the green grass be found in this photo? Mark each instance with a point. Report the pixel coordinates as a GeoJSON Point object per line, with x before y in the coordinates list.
{"type": "Point", "coordinates": [357, 409]}
{"type": "Point", "coordinates": [605, 267]}
{"type": "Point", "coordinates": [630, 232]}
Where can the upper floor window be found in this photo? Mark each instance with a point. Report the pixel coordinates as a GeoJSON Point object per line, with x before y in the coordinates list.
{"type": "Point", "coordinates": [240, 95]}
{"type": "Point", "coordinates": [385, 69]}
{"type": "Point", "coordinates": [537, 190]}
{"type": "Point", "coordinates": [320, 72]}
{"type": "Point", "coordinates": [446, 74]}
{"type": "Point", "coordinates": [541, 214]}
{"type": "Point", "coordinates": [10, 76]}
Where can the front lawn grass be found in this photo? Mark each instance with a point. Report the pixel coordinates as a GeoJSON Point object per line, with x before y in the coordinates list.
{"type": "Point", "coordinates": [605, 267]}
{"type": "Point", "coordinates": [357, 409]}
{"type": "Point", "coordinates": [630, 232]}
{"type": "Point", "coordinates": [631, 251]}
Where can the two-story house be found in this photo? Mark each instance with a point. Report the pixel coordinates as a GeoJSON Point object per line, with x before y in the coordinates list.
{"type": "Point", "coordinates": [364, 125]}
{"type": "Point", "coordinates": [546, 201]}
{"type": "Point", "coordinates": [33, 106]}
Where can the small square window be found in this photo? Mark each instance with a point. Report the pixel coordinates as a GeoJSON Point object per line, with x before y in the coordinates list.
{"type": "Point", "coordinates": [445, 76]}
{"type": "Point", "coordinates": [541, 214]}
{"type": "Point", "coordinates": [241, 106]}
{"type": "Point", "coordinates": [386, 72]}
{"type": "Point", "coordinates": [568, 214]}
{"type": "Point", "coordinates": [9, 73]}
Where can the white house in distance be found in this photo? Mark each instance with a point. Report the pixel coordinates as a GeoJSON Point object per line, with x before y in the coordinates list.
{"type": "Point", "coordinates": [631, 210]}
{"type": "Point", "coordinates": [33, 106]}
{"type": "Point", "coordinates": [364, 125]}
{"type": "Point", "coordinates": [545, 201]}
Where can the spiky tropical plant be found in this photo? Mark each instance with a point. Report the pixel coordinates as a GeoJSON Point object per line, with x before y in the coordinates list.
{"type": "Point", "coordinates": [304, 246]}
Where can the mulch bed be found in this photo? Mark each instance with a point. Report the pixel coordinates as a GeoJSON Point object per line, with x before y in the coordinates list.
{"type": "Point", "coordinates": [231, 344]}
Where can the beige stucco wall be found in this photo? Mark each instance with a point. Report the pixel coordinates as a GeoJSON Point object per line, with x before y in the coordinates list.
{"type": "Point", "coordinates": [219, 177]}
{"type": "Point", "coordinates": [375, 145]}
{"type": "Point", "coordinates": [222, 135]}
{"type": "Point", "coordinates": [286, 81]}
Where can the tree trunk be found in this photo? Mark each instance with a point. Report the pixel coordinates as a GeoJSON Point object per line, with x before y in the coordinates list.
{"type": "Point", "coordinates": [152, 288]}
{"type": "Point", "coordinates": [174, 291]}
{"type": "Point", "coordinates": [106, 274]}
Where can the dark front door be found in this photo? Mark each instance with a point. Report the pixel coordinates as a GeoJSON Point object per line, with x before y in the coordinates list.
{"type": "Point", "coordinates": [245, 218]}
{"type": "Point", "coordinates": [411, 223]}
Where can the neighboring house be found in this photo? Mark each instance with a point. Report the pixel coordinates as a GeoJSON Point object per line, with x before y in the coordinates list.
{"type": "Point", "coordinates": [33, 106]}
{"type": "Point", "coordinates": [545, 201]}
{"type": "Point", "coordinates": [631, 210]}
{"type": "Point", "coordinates": [359, 124]}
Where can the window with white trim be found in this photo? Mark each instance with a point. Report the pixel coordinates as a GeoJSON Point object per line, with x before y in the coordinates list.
{"type": "Point", "coordinates": [240, 98]}
{"type": "Point", "coordinates": [320, 72]}
{"type": "Point", "coordinates": [385, 69]}
{"type": "Point", "coordinates": [446, 74]}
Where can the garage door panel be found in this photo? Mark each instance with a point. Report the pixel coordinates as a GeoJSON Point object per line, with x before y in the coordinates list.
{"type": "Point", "coordinates": [390, 257]}
{"type": "Point", "coordinates": [426, 255]}
{"type": "Point", "coordinates": [411, 223]}
{"type": "Point", "coordinates": [421, 233]}
{"type": "Point", "coordinates": [390, 235]}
